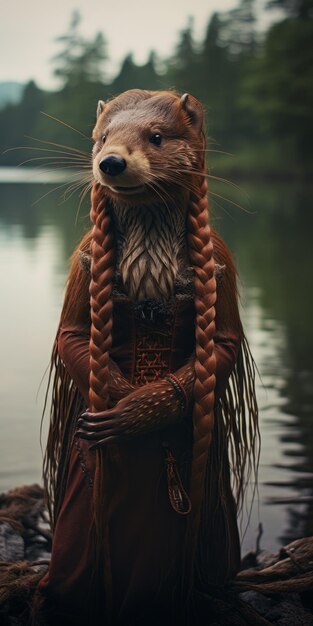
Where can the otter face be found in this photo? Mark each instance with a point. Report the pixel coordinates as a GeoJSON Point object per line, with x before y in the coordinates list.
{"type": "Point", "coordinates": [148, 145]}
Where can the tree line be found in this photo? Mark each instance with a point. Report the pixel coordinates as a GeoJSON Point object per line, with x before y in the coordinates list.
{"type": "Point", "coordinates": [257, 89]}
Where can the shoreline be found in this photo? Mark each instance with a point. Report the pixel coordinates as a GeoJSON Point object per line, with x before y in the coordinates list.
{"type": "Point", "coordinates": [270, 589]}
{"type": "Point", "coordinates": [15, 174]}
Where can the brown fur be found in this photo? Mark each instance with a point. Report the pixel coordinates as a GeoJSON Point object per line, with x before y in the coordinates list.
{"type": "Point", "coordinates": [150, 222]}
{"type": "Point", "coordinates": [76, 307]}
{"type": "Point", "coordinates": [155, 214]}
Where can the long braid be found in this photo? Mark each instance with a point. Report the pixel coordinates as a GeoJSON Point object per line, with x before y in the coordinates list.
{"type": "Point", "coordinates": [102, 269]}
{"type": "Point", "coordinates": [201, 255]}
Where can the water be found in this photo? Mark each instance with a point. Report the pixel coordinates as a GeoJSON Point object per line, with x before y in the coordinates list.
{"type": "Point", "coordinates": [272, 246]}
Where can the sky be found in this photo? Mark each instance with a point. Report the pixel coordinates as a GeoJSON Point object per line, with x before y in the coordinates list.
{"type": "Point", "coordinates": [28, 30]}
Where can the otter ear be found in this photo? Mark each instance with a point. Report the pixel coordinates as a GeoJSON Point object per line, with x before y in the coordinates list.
{"type": "Point", "coordinates": [194, 110]}
{"type": "Point", "coordinates": [100, 107]}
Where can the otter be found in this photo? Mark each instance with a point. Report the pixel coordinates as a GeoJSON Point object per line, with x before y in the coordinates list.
{"type": "Point", "coordinates": [153, 383]}
{"type": "Point", "coordinates": [145, 154]}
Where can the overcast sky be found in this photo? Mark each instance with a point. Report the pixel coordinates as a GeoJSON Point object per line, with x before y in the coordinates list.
{"type": "Point", "coordinates": [28, 29]}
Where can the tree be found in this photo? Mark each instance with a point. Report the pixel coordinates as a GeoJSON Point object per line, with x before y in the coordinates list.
{"type": "Point", "coordinates": [132, 76]}
{"type": "Point", "coordinates": [238, 29]}
{"type": "Point", "coordinates": [183, 66]}
{"type": "Point", "coordinates": [227, 50]}
{"type": "Point", "coordinates": [293, 8]}
{"type": "Point", "coordinates": [80, 61]}
{"type": "Point", "coordinates": [216, 78]}
{"type": "Point", "coordinates": [18, 120]}
{"type": "Point", "coordinates": [281, 89]}
{"type": "Point", "coordinates": [185, 54]}
{"type": "Point", "coordinates": [149, 77]}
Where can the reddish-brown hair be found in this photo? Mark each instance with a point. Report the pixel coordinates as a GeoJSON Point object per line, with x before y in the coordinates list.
{"type": "Point", "coordinates": [99, 312]}
{"type": "Point", "coordinates": [201, 256]}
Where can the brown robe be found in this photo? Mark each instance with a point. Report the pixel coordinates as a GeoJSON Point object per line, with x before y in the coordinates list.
{"type": "Point", "coordinates": [146, 535]}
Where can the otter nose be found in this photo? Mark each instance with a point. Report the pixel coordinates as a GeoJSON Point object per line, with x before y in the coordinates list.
{"type": "Point", "coordinates": [112, 165]}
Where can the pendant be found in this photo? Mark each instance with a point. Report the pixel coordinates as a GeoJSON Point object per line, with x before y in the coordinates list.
{"type": "Point", "coordinates": [178, 496]}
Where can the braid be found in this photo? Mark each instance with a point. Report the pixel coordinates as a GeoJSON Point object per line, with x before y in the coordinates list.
{"type": "Point", "coordinates": [201, 255]}
{"type": "Point", "coordinates": [102, 269]}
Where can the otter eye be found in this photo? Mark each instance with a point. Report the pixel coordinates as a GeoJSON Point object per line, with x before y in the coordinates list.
{"type": "Point", "coordinates": [156, 139]}
{"type": "Point", "coordinates": [104, 138]}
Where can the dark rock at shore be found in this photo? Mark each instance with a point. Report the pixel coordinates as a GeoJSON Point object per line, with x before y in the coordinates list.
{"type": "Point", "coordinates": [284, 609]}
{"type": "Point", "coordinates": [271, 588]}
{"type": "Point", "coordinates": [24, 525]}
{"type": "Point", "coordinates": [12, 546]}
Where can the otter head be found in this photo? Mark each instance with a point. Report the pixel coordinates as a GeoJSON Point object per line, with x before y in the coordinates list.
{"type": "Point", "coordinates": [148, 146]}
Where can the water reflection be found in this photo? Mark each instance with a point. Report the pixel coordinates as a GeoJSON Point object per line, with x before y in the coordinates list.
{"type": "Point", "coordinates": [278, 490]}
{"type": "Point", "coordinates": [36, 240]}
{"type": "Point", "coordinates": [274, 254]}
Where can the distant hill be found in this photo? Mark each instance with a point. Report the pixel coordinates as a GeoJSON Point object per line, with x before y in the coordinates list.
{"type": "Point", "coordinates": [10, 93]}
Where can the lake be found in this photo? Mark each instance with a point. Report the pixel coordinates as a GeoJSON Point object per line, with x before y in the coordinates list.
{"type": "Point", "coordinates": [270, 234]}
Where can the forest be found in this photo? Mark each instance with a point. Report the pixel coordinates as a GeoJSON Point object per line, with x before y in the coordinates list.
{"type": "Point", "coordinates": [256, 87]}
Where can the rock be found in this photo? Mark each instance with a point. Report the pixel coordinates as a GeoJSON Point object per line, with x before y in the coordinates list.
{"type": "Point", "coordinates": [24, 525]}
{"type": "Point", "coordinates": [269, 589]}
{"type": "Point", "coordinates": [11, 544]}
{"type": "Point", "coordinates": [290, 611]}
{"type": "Point", "coordinates": [282, 609]}
{"type": "Point", "coordinates": [260, 603]}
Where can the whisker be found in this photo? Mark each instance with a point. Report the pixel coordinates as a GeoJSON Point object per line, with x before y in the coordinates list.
{"type": "Point", "coordinates": [82, 195]}
{"type": "Point", "coordinates": [222, 208]}
{"type": "Point", "coordinates": [58, 145]}
{"type": "Point", "coordinates": [74, 187]}
{"type": "Point", "coordinates": [156, 181]}
{"type": "Point", "coordinates": [153, 187]}
{"type": "Point", "coordinates": [70, 166]}
{"type": "Point", "coordinates": [73, 168]}
{"type": "Point", "coordinates": [76, 175]}
{"type": "Point", "coordinates": [70, 154]}
{"type": "Point", "coordinates": [56, 119]}
{"type": "Point", "coordinates": [213, 150]}
{"type": "Point", "coordinates": [212, 193]}
{"type": "Point", "coordinates": [192, 171]}
{"type": "Point", "coordinates": [66, 195]}
{"type": "Point", "coordinates": [49, 192]}
{"type": "Point", "coordinates": [224, 180]}
{"type": "Point", "coordinates": [79, 183]}
{"type": "Point", "coordinates": [62, 160]}
{"type": "Point", "coordinates": [148, 175]}
{"type": "Point", "coordinates": [194, 189]}
{"type": "Point", "coordinates": [179, 181]}
{"type": "Point", "coordinates": [57, 166]}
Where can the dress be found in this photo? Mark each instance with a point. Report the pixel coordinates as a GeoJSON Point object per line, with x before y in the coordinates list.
{"type": "Point", "coordinates": [145, 533]}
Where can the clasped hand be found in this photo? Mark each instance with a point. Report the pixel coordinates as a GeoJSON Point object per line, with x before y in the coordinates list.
{"type": "Point", "coordinates": [105, 426]}
{"type": "Point", "coordinates": [151, 407]}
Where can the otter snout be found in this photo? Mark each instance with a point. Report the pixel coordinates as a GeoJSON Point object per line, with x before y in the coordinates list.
{"type": "Point", "coordinates": [112, 165]}
{"type": "Point", "coordinates": [121, 170]}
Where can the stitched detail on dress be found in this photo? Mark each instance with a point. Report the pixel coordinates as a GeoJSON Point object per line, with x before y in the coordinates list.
{"type": "Point", "coordinates": [154, 329]}
{"type": "Point", "coordinates": [82, 462]}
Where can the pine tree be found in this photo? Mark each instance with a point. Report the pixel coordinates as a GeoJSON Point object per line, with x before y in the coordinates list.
{"type": "Point", "coordinates": [80, 61]}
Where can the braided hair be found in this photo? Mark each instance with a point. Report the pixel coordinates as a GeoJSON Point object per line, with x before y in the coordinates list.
{"type": "Point", "coordinates": [95, 311]}
{"type": "Point", "coordinates": [200, 249]}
